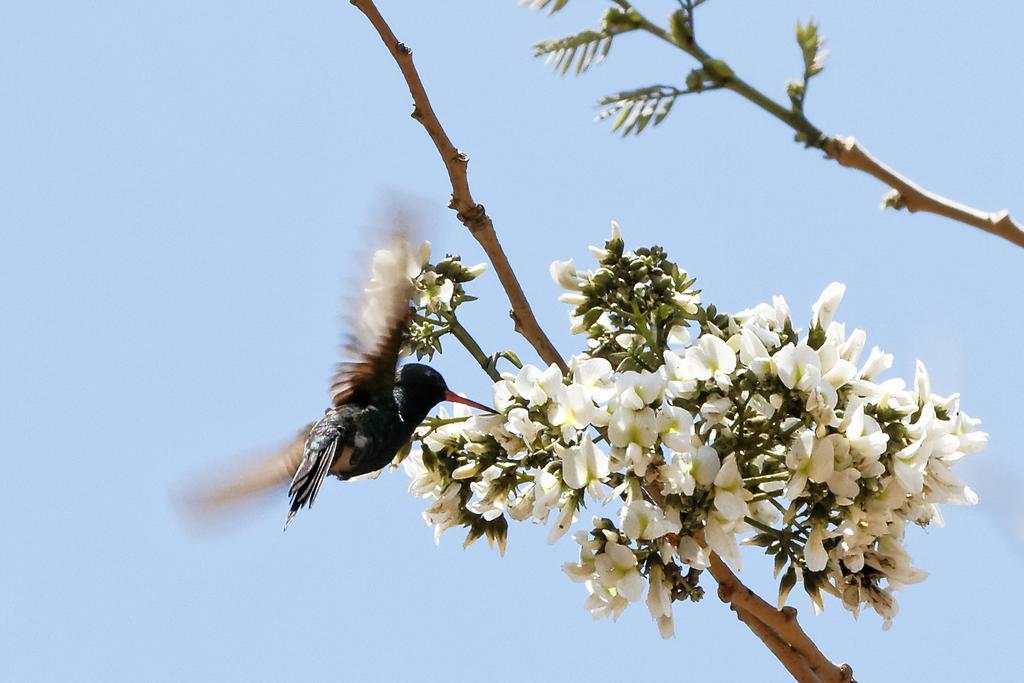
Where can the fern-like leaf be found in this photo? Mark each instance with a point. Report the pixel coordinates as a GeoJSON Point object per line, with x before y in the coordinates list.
{"type": "Point", "coordinates": [586, 48]}
{"type": "Point", "coordinates": [635, 109]}
{"type": "Point", "coordinates": [812, 47]}
{"type": "Point", "coordinates": [540, 5]}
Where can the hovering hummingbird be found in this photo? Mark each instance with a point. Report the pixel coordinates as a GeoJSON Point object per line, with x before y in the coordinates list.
{"type": "Point", "coordinates": [375, 406]}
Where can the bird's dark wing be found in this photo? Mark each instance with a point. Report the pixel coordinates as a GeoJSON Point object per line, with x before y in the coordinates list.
{"type": "Point", "coordinates": [248, 481]}
{"type": "Point", "coordinates": [328, 449]}
{"type": "Point", "coordinates": [310, 477]}
{"type": "Point", "coordinates": [378, 328]}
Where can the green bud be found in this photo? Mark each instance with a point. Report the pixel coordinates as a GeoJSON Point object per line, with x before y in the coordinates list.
{"type": "Point", "coordinates": [816, 337]}
{"type": "Point", "coordinates": [679, 25]}
{"type": "Point", "coordinates": [786, 585]}
{"type": "Point", "coordinates": [616, 20]}
{"type": "Point", "coordinates": [614, 248]}
{"type": "Point", "coordinates": [719, 69]}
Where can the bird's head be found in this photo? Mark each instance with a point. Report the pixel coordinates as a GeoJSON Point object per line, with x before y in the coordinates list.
{"type": "Point", "coordinates": [422, 387]}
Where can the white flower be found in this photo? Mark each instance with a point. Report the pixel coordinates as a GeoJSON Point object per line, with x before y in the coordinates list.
{"type": "Point", "coordinates": [678, 380]}
{"type": "Point", "coordinates": [808, 459]}
{"type": "Point", "coordinates": [585, 465]}
{"type": "Point", "coordinates": [544, 494]}
{"type": "Point", "coordinates": [686, 301]}
{"type": "Point", "coordinates": [843, 481]}
{"type": "Point", "coordinates": [891, 558]}
{"type": "Point", "coordinates": [536, 385]}
{"type": "Point", "coordinates": [566, 518]}
{"type": "Point", "coordinates": [711, 358]}
{"type": "Point", "coordinates": [424, 483]}
{"type": "Point", "coordinates": [617, 568]}
{"type": "Point", "coordinates": [720, 533]}
{"type": "Point", "coordinates": [688, 469]}
{"type": "Point", "coordinates": [909, 464]}
{"type": "Point", "coordinates": [603, 602]}
{"type": "Point", "coordinates": [642, 520]}
{"type": "Point", "coordinates": [814, 550]}
{"type": "Point", "coordinates": [678, 337]}
{"type": "Point", "coordinates": [487, 502]}
{"type": "Point", "coordinates": [876, 363]}
{"type": "Point", "coordinates": [835, 369]}
{"type": "Point", "coordinates": [564, 274]}
{"type": "Point", "coordinates": [714, 409]}
{"type": "Point", "coordinates": [730, 496]}
{"type": "Point", "coordinates": [467, 471]}
{"type": "Point", "coordinates": [571, 407]}
{"type": "Point", "coordinates": [520, 424]}
{"type": "Point", "coordinates": [850, 349]}
{"type": "Point", "coordinates": [763, 512]}
{"type": "Point", "coordinates": [637, 389]}
{"type": "Point", "coordinates": [633, 427]}
{"type": "Point", "coordinates": [922, 383]}
{"type": "Point", "coordinates": [753, 352]}
{"type": "Point", "coordinates": [595, 376]}
{"type": "Point", "coordinates": [867, 441]}
{"type": "Point", "coordinates": [659, 600]}
{"type": "Point", "coordinates": [675, 427]}
{"type": "Point", "coordinates": [965, 429]}
{"type": "Point", "coordinates": [434, 291]}
{"type": "Point", "coordinates": [691, 554]}
{"type": "Point", "coordinates": [825, 308]}
{"type": "Point", "coordinates": [797, 366]}
{"type": "Point", "coordinates": [946, 487]}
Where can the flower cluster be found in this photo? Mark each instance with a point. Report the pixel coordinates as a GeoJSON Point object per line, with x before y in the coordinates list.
{"type": "Point", "coordinates": [437, 292]}
{"type": "Point", "coordinates": [745, 430]}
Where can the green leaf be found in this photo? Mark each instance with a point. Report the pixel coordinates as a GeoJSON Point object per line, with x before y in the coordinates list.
{"type": "Point", "coordinates": [551, 5]}
{"type": "Point", "coordinates": [811, 45]}
{"type": "Point", "coordinates": [591, 46]}
{"type": "Point", "coordinates": [634, 110]}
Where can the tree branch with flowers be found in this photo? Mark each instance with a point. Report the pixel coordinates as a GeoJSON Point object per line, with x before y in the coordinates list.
{"type": "Point", "coordinates": [688, 431]}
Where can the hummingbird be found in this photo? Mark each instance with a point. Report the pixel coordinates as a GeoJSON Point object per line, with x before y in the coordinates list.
{"type": "Point", "coordinates": [375, 404]}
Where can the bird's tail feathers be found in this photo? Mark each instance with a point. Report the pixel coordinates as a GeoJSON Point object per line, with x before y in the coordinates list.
{"type": "Point", "coordinates": [309, 478]}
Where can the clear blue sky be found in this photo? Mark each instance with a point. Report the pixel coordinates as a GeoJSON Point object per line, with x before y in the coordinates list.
{"type": "Point", "coordinates": [182, 185]}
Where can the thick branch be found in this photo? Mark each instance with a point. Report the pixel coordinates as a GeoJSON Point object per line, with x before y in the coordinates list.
{"type": "Point", "coordinates": [777, 629]}
{"type": "Point", "coordinates": [471, 214]}
{"type": "Point", "coordinates": [782, 623]}
{"type": "Point", "coordinates": [789, 657]}
{"type": "Point", "coordinates": [905, 194]}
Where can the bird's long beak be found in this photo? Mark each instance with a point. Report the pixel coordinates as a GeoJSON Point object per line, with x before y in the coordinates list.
{"type": "Point", "coordinates": [450, 395]}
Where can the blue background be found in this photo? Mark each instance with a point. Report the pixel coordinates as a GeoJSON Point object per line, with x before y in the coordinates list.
{"type": "Point", "coordinates": [186, 187]}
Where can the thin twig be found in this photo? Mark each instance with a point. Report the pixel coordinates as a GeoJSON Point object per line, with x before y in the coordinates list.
{"type": "Point", "coordinates": [847, 152]}
{"type": "Point", "coordinates": [471, 214]}
{"type": "Point", "coordinates": [466, 339]}
{"type": "Point", "coordinates": [906, 194]}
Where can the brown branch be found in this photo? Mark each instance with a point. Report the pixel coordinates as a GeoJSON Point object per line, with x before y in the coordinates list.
{"type": "Point", "coordinates": [777, 629]}
{"type": "Point", "coordinates": [471, 214]}
{"type": "Point", "coordinates": [785, 653]}
{"type": "Point", "coordinates": [782, 623]}
{"type": "Point", "coordinates": [906, 194]}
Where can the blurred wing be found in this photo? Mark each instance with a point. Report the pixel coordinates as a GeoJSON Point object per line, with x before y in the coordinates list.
{"type": "Point", "coordinates": [249, 481]}
{"type": "Point", "coordinates": [378, 328]}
